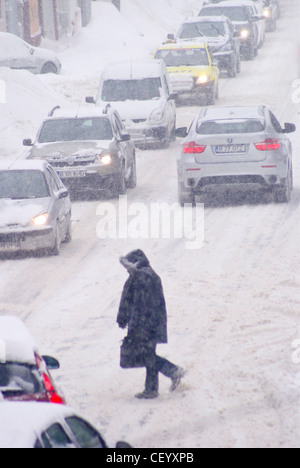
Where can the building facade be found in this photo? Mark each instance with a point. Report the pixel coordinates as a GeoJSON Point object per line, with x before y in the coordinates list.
{"type": "Point", "coordinates": [33, 19]}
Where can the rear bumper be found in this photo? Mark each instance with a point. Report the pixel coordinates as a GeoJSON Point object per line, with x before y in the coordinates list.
{"type": "Point", "coordinates": [27, 239]}
{"type": "Point", "coordinates": [240, 176]}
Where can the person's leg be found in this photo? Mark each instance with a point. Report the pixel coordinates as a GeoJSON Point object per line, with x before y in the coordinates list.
{"type": "Point", "coordinates": [169, 370]}
{"type": "Point", "coordinates": [151, 383]}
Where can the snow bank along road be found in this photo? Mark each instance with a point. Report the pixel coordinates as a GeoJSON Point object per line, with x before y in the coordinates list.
{"type": "Point", "coordinates": [233, 305]}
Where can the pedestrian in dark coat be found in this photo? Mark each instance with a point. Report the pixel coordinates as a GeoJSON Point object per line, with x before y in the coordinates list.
{"type": "Point", "coordinates": [143, 311]}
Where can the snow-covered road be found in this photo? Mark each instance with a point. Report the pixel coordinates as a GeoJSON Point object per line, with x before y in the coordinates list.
{"type": "Point", "coordinates": [233, 306]}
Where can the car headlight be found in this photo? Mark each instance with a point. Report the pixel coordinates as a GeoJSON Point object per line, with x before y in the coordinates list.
{"type": "Point", "coordinates": [244, 34]}
{"type": "Point", "coordinates": [157, 115]}
{"type": "Point", "coordinates": [105, 159]}
{"type": "Point", "coordinates": [202, 79]}
{"type": "Point", "coordinates": [267, 13]}
{"type": "Point", "coordinates": [40, 220]}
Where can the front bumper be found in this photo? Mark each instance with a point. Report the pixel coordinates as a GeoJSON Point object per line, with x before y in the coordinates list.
{"type": "Point", "coordinates": [86, 178]}
{"type": "Point", "coordinates": [26, 239]}
{"type": "Point", "coordinates": [241, 176]}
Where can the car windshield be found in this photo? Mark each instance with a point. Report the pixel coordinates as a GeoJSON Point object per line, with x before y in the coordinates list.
{"type": "Point", "coordinates": [219, 127]}
{"type": "Point", "coordinates": [209, 29]}
{"type": "Point", "coordinates": [132, 90]}
{"type": "Point", "coordinates": [233, 13]}
{"type": "Point", "coordinates": [75, 129]}
{"type": "Point", "coordinates": [183, 57]}
{"type": "Point", "coordinates": [19, 379]}
{"type": "Point", "coordinates": [23, 184]}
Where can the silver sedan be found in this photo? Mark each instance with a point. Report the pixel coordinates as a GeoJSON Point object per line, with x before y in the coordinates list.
{"type": "Point", "coordinates": [35, 208]}
{"type": "Point", "coordinates": [235, 147]}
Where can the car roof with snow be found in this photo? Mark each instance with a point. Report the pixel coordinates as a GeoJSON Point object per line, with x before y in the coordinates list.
{"type": "Point", "coordinates": [20, 422]}
{"type": "Point", "coordinates": [19, 345]}
{"type": "Point", "coordinates": [232, 112]}
{"type": "Point", "coordinates": [200, 19]}
{"type": "Point", "coordinates": [183, 45]}
{"type": "Point", "coordinates": [81, 112]}
{"type": "Point", "coordinates": [22, 165]}
{"type": "Point", "coordinates": [133, 69]}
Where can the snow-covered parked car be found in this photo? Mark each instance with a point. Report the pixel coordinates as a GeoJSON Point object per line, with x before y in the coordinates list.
{"type": "Point", "coordinates": [235, 147]}
{"type": "Point", "coordinates": [141, 92]}
{"type": "Point", "coordinates": [24, 374]}
{"type": "Point", "coordinates": [19, 55]}
{"type": "Point", "coordinates": [35, 208]}
{"type": "Point", "coordinates": [89, 148]}
{"type": "Point", "coordinates": [42, 426]}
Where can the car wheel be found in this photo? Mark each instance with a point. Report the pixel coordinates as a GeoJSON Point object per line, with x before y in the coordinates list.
{"type": "Point", "coordinates": [68, 237]}
{"type": "Point", "coordinates": [232, 71]}
{"type": "Point", "coordinates": [283, 194]}
{"type": "Point", "coordinates": [131, 184]}
{"type": "Point", "coordinates": [250, 54]}
{"type": "Point", "coordinates": [211, 97]}
{"type": "Point", "coordinates": [120, 182]}
{"type": "Point", "coordinates": [238, 64]}
{"type": "Point", "coordinates": [57, 242]}
{"type": "Point", "coordinates": [49, 67]}
{"type": "Point", "coordinates": [185, 197]}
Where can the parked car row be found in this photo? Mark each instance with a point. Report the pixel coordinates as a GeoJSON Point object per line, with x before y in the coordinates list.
{"type": "Point", "coordinates": [33, 411]}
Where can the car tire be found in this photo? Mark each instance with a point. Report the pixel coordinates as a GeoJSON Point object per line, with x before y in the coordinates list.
{"type": "Point", "coordinates": [49, 67]}
{"type": "Point", "coordinates": [250, 53]}
{"type": "Point", "coordinates": [185, 197]}
{"type": "Point", "coordinates": [283, 194]}
{"type": "Point", "coordinates": [232, 71]}
{"type": "Point", "coordinates": [120, 182]}
{"type": "Point", "coordinates": [55, 251]}
{"type": "Point", "coordinates": [131, 184]}
{"type": "Point", "coordinates": [68, 236]}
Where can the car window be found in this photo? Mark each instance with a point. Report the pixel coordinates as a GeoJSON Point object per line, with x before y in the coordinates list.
{"type": "Point", "coordinates": [216, 127]}
{"type": "Point", "coordinates": [204, 28]}
{"type": "Point", "coordinates": [23, 184]}
{"type": "Point", "coordinates": [19, 379]}
{"type": "Point", "coordinates": [75, 130]}
{"type": "Point", "coordinates": [183, 57]}
{"type": "Point", "coordinates": [275, 123]}
{"type": "Point", "coordinates": [86, 436]}
{"type": "Point", "coordinates": [52, 182]}
{"type": "Point", "coordinates": [234, 14]}
{"type": "Point", "coordinates": [56, 437]}
{"type": "Point", "coordinates": [144, 89]}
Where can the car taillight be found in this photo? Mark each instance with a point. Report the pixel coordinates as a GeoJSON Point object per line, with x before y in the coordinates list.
{"type": "Point", "coordinates": [52, 395]}
{"type": "Point", "coordinates": [193, 148]}
{"type": "Point", "coordinates": [268, 145]}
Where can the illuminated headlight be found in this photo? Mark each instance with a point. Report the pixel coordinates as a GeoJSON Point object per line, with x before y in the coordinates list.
{"type": "Point", "coordinates": [157, 115]}
{"type": "Point", "coordinates": [267, 13]}
{"type": "Point", "coordinates": [105, 159]}
{"type": "Point", "coordinates": [245, 33]}
{"type": "Point", "coordinates": [40, 220]}
{"type": "Point", "coordinates": [202, 79]}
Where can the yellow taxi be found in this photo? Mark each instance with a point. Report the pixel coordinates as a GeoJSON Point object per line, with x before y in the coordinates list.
{"type": "Point", "coordinates": [193, 72]}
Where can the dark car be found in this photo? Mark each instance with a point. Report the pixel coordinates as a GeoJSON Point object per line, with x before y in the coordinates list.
{"type": "Point", "coordinates": [24, 374]}
{"type": "Point", "coordinates": [220, 35]}
{"type": "Point", "coordinates": [271, 14]}
{"type": "Point", "coordinates": [243, 21]}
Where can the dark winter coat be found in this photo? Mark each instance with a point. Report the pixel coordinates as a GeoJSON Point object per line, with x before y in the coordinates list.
{"type": "Point", "coordinates": [143, 307]}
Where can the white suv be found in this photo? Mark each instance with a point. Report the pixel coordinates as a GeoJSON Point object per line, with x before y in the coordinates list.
{"type": "Point", "coordinates": [141, 92]}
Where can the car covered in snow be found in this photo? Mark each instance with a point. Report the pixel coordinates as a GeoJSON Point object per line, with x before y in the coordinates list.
{"type": "Point", "coordinates": [193, 72]}
{"type": "Point", "coordinates": [141, 92]}
{"type": "Point", "coordinates": [19, 55]}
{"type": "Point", "coordinates": [244, 23]}
{"type": "Point", "coordinates": [24, 373]}
{"type": "Point", "coordinates": [35, 208]}
{"type": "Point", "coordinates": [219, 33]}
{"type": "Point", "coordinates": [89, 148]}
{"type": "Point", "coordinates": [43, 426]}
{"type": "Point", "coordinates": [243, 148]}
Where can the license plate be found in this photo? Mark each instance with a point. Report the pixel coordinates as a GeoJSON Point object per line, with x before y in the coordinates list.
{"type": "Point", "coordinates": [9, 246]}
{"type": "Point", "coordinates": [71, 174]}
{"type": "Point", "coordinates": [225, 149]}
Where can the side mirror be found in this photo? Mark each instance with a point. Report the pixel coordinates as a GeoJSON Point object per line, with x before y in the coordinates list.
{"type": "Point", "coordinates": [289, 128]}
{"type": "Point", "coordinates": [125, 137]}
{"type": "Point", "coordinates": [173, 97]}
{"type": "Point", "coordinates": [27, 142]}
{"type": "Point", "coordinates": [51, 362]}
{"type": "Point", "coordinates": [90, 100]}
{"type": "Point", "coordinates": [64, 193]}
{"type": "Point", "coordinates": [181, 132]}
{"type": "Point", "coordinates": [171, 37]}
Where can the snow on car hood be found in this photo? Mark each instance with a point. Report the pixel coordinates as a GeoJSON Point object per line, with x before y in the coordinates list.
{"type": "Point", "coordinates": [18, 213]}
{"type": "Point", "coordinates": [130, 110]}
{"type": "Point", "coordinates": [63, 149]}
